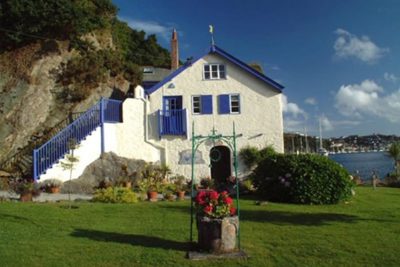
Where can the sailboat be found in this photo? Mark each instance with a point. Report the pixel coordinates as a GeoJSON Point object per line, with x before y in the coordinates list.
{"type": "Point", "coordinates": [321, 150]}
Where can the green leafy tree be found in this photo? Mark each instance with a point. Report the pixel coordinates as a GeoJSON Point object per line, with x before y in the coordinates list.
{"type": "Point", "coordinates": [394, 152]}
{"type": "Point", "coordinates": [24, 21]}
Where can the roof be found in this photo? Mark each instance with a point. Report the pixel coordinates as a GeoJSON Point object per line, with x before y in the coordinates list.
{"type": "Point", "coordinates": [153, 74]}
{"type": "Point", "coordinates": [216, 50]}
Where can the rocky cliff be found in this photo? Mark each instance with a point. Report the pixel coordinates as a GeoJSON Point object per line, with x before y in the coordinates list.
{"type": "Point", "coordinates": [30, 103]}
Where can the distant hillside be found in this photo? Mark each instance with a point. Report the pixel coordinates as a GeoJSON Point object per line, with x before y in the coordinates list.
{"type": "Point", "coordinates": [59, 57]}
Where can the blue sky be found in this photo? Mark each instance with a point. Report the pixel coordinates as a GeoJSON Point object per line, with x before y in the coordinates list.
{"type": "Point", "coordinates": [338, 60]}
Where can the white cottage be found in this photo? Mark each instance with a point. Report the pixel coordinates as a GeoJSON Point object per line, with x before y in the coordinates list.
{"type": "Point", "coordinates": [212, 91]}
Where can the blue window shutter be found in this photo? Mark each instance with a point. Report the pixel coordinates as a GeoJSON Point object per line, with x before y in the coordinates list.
{"type": "Point", "coordinates": [206, 104]}
{"type": "Point", "coordinates": [224, 106]}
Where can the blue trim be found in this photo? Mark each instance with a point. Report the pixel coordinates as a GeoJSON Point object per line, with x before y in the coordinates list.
{"type": "Point", "coordinates": [247, 68]}
{"type": "Point", "coordinates": [172, 122]}
{"type": "Point", "coordinates": [224, 104]}
{"type": "Point", "coordinates": [206, 104]}
{"type": "Point", "coordinates": [102, 125]}
{"type": "Point", "coordinates": [35, 170]}
{"type": "Point", "coordinates": [214, 49]}
{"type": "Point", "coordinates": [173, 75]}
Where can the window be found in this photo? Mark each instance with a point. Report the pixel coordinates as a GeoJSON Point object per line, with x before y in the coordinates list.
{"type": "Point", "coordinates": [229, 104]}
{"type": "Point", "coordinates": [196, 105]}
{"type": "Point", "coordinates": [235, 104]}
{"type": "Point", "coordinates": [214, 72]}
{"type": "Point", "coordinates": [202, 104]}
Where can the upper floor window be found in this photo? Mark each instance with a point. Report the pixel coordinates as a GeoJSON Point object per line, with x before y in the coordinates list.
{"type": "Point", "coordinates": [214, 72]}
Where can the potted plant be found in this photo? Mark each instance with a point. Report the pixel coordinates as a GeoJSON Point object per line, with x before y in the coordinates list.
{"type": "Point", "coordinates": [52, 186]}
{"type": "Point", "coordinates": [180, 186]}
{"type": "Point", "coordinates": [152, 191]}
{"type": "Point", "coordinates": [152, 179]}
{"type": "Point", "coordinates": [216, 221]}
{"type": "Point", "coordinates": [168, 192]}
{"type": "Point", "coordinates": [27, 189]}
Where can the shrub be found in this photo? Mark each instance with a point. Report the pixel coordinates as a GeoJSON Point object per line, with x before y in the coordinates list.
{"type": "Point", "coordinates": [115, 195]}
{"type": "Point", "coordinates": [251, 156]}
{"type": "Point", "coordinates": [392, 180]}
{"type": "Point", "coordinates": [305, 179]}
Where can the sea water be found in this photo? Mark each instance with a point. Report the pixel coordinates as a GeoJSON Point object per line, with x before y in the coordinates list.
{"type": "Point", "coordinates": [365, 163]}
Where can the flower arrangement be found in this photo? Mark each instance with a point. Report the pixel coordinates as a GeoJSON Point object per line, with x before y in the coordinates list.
{"type": "Point", "coordinates": [213, 204]}
{"type": "Point", "coordinates": [51, 185]}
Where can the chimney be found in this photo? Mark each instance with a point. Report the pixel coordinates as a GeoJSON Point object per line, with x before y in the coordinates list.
{"type": "Point", "coordinates": [174, 51]}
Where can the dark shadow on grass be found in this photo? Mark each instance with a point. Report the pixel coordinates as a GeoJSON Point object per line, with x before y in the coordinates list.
{"type": "Point", "coordinates": [15, 218]}
{"type": "Point", "coordinates": [296, 218]}
{"type": "Point", "coordinates": [132, 239]}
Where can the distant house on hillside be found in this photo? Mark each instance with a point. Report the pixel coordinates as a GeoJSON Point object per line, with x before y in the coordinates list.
{"type": "Point", "coordinates": [213, 91]}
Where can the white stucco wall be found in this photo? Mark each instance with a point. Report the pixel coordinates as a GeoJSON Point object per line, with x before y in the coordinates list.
{"type": "Point", "coordinates": [131, 133]}
{"type": "Point", "coordinates": [260, 120]}
{"type": "Point", "coordinates": [87, 152]}
{"type": "Point", "coordinates": [126, 139]}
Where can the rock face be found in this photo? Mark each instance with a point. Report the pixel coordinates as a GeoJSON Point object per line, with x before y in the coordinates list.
{"type": "Point", "coordinates": [109, 168]}
{"type": "Point", "coordinates": [29, 108]}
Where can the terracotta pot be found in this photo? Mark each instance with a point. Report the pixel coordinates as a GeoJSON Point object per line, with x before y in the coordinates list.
{"type": "Point", "coordinates": [180, 195]}
{"type": "Point", "coordinates": [217, 235]}
{"type": "Point", "coordinates": [169, 197]}
{"type": "Point", "coordinates": [25, 197]}
{"type": "Point", "coordinates": [152, 196]}
{"type": "Point", "coordinates": [55, 190]}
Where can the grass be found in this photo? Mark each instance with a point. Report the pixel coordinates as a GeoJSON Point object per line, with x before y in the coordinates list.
{"type": "Point", "coordinates": [363, 232]}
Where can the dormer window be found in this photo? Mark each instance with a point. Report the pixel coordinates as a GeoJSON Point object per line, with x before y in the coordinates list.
{"type": "Point", "coordinates": [148, 70]}
{"type": "Point", "coordinates": [214, 72]}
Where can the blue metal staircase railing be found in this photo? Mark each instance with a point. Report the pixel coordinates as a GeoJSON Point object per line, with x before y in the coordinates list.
{"type": "Point", "coordinates": [106, 110]}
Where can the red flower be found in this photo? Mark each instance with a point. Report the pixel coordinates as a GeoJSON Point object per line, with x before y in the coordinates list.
{"type": "Point", "coordinates": [228, 200]}
{"type": "Point", "coordinates": [224, 193]}
{"type": "Point", "coordinates": [213, 195]}
{"type": "Point", "coordinates": [232, 210]}
{"type": "Point", "coordinates": [201, 198]}
{"type": "Point", "coordinates": [208, 209]}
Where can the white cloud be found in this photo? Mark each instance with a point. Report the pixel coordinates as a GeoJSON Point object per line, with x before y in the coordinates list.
{"type": "Point", "coordinates": [367, 98]}
{"type": "Point", "coordinates": [390, 77]}
{"type": "Point", "coordinates": [291, 109]}
{"type": "Point", "coordinates": [150, 27]}
{"type": "Point", "coordinates": [310, 101]}
{"type": "Point", "coordinates": [326, 124]}
{"type": "Point", "coordinates": [293, 116]}
{"type": "Point", "coordinates": [350, 45]}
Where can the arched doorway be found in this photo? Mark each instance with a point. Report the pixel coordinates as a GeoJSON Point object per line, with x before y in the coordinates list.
{"type": "Point", "coordinates": [221, 165]}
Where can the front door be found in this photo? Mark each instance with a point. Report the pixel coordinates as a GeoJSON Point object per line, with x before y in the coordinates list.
{"type": "Point", "coordinates": [171, 103]}
{"type": "Point", "coordinates": [221, 166]}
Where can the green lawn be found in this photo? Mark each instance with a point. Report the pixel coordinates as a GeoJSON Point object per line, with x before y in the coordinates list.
{"type": "Point", "coordinates": [364, 232]}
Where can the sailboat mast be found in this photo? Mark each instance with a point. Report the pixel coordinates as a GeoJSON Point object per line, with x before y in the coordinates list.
{"type": "Point", "coordinates": [320, 134]}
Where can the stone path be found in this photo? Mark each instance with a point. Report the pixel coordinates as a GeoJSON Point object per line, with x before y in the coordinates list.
{"type": "Point", "coordinates": [45, 197]}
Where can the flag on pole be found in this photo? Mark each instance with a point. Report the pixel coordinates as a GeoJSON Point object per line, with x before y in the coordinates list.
{"type": "Point", "coordinates": [211, 27]}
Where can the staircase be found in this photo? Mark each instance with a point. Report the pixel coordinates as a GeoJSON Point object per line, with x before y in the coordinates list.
{"type": "Point", "coordinates": [20, 163]}
{"type": "Point", "coordinates": [104, 111]}
{"type": "Point", "coordinates": [77, 126]}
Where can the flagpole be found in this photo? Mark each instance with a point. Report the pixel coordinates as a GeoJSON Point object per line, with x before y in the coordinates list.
{"type": "Point", "coordinates": [211, 27]}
